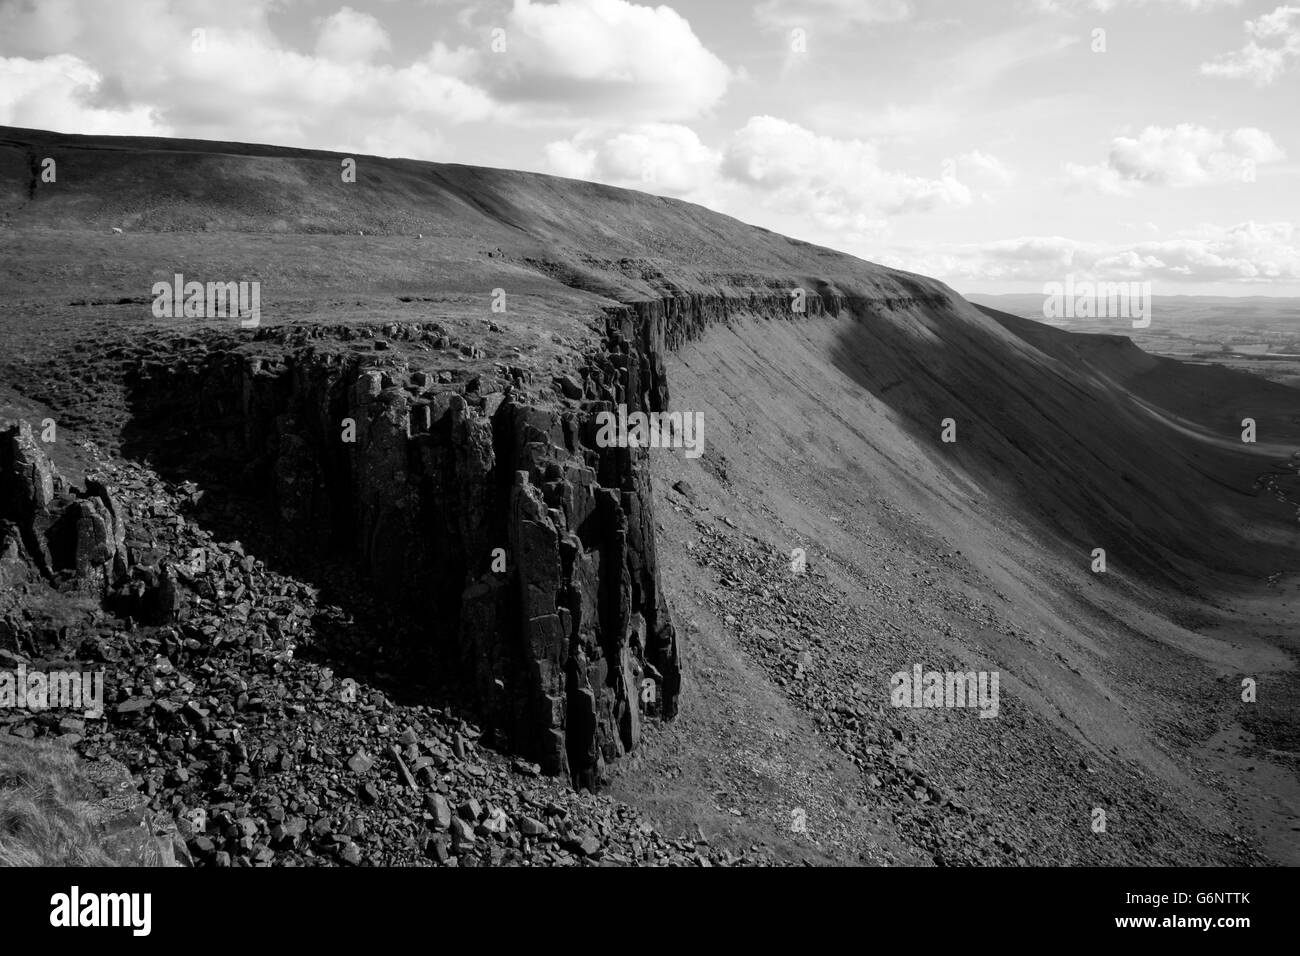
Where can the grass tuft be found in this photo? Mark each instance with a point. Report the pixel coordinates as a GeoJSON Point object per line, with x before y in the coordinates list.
{"type": "Point", "coordinates": [49, 812]}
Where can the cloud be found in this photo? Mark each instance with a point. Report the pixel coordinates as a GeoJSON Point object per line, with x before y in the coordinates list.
{"type": "Point", "coordinates": [661, 158]}
{"type": "Point", "coordinates": [131, 67]}
{"type": "Point", "coordinates": [1248, 253]}
{"type": "Point", "coordinates": [774, 173]}
{"type": "Point", "coordinates": [604, 58]}
{"type": "Point", "coordinates": [350, 37]}
{"type": "Point", "coordinates": [1184, 155]}
{"type": "Point", "coordinates": [839, 183]}
{"type": "Point", "coordinates": [984, 169]}
{"type": "Point", "coordinates": [829, 14]}
{"type": "Point", "coordinates": [1262, 64]}
{"type": "Point", "coordinates": [61, 92]}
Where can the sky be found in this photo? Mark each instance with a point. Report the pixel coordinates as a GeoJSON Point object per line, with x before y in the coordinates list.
{"type": "Point", "coordinates": [994, 144]}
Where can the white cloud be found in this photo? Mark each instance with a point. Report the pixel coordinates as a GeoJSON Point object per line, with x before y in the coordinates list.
{"type": "Point", "coordinates": [605, 58]}
{"type": "Point", "coordinates": [1262, 63]}
{"type": "Point", "coordinates": [347, 36]}
{"type": "Point", "coordinates": [839, 183]}
{"type": "Point", "coordinates": [60, 92]}
{"type": "Point", "coordinates": [130, 67]}
{"type": "Point", "coordinates": [1249, 253]}
{"type": "Point", "coordinates": [774, 173]}
{"type": "Point", "coordinates": [655, 157]}
{"type": "Point", "coordinates": [1184, 155]}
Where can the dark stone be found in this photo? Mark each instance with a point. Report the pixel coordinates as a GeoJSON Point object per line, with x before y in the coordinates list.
{"type": "Point", "coordinates": [436, 805]}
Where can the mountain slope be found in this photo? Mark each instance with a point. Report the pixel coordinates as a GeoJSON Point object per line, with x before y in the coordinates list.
{"type": "Point", "coordinates": [823, 432]}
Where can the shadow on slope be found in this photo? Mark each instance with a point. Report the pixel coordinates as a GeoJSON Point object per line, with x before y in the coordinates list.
{"type": "Point", "coordinates": [1077, 436]}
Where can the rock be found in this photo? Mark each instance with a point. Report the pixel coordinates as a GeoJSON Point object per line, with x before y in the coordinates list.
{"type": "Point", "coordinates": [350, 854]}
{"type": "Point", "coordinates": [684, 489]}
{"type": "Point", "coordinates": [437, 806]}
{"type": "Point", "coordinates": [50, 529]}
{"type": "Point", "coordinates": [16, 565]}
{"type": "Point", "coordinates": [436, 848]}
{"type": "Point", "coordinates": [219, 712]}
{"type": "Point", "coordinates": [568, 387]}
{"type": "Point", "coordinates": [360, 762]}
{"type": "Point", "coordinates": [105, 540]}
{"type": "Point", "coordinates": [159, 603]}
{"type": "Point", "coordinates": [461, 834]}
{"type": "Point", "coordinates": [597, 592]}
{"type": "Point", "coordinates": [72, 725]}
{"type": "Point", "coordinates": [181, 852]}
{"type": "Point", "coordinates": [28, 479]}
{"type": "Point", "coordinates": [531, 827]}
{"type": "Point", "coordinates": [402, 769]}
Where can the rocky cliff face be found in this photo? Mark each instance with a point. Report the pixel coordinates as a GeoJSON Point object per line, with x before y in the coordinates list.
{"type": "Point", "coordinates": [50, 531]}
{"type": "Point", "coordinates": [524, 550]}
{"type": "Point", "coordinates": [482, 507]}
